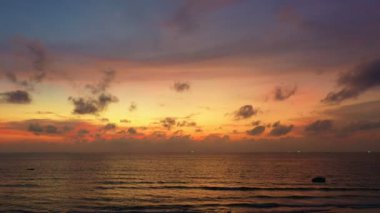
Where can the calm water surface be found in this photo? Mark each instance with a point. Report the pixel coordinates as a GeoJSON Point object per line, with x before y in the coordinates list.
{"type": "Point", "coordinates": [189, 182]}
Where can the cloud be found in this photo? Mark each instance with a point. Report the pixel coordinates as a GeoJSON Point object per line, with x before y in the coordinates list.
{"type": "Point", "coordinates": [355, 112]}
{"type": "Point", "coordinates": [43, 126]}
{"type": "Point", "coordinates": [132, 131]}
{"type": "Point", "coordinates": [39, 55]}
{"type": "Point", "coordinates": [186, 124]}
{"type": "Point", "coordinates": [132, 107]}
{"type": "Point", "coordinates": [103, 119]}
{"type": "Point", "coordinates": [15, 97]}
{"type": "Point", "coordinates": [10, 76]}
{"type": "Point", "coordinates": [245, 112]}
{"type": "Point", "coordinates": [51, 129]}
{"type": "Point", "coordinates": [256, 130]}
{"type": "Point", "coordinates": [361, 126]}
{"type": "Point", "coordinates": [91, 105]}
{"type": "Point", "coordinates": [256, 123]}
{"type": "Point", "coordinates": [279, 129]}
{"type": "Point", "coordinates": [168, 122]}
{"type": "Point", "coordinates": [354, 83]}
{"type": "Point", "coordinates": [319, 126]}
{"type": "Point", "coordinates": [99, 99]}
{"type": "Point", "coordinates": [40, 60]}
{"type": "Point", "coordinates": [198, 130]}
{"type": "Point", "coordinates": [185, 19]}
{"type": "Point", "coordinates": [104, 83]}
{"type": "Point", "coordinates": [181, 86]}
{"type": "Point", "coordinates": [35, 128]}
{"type": "Point", "coordinates": [82, 132]}
{"type": "Point", "coordinates": [125, 121]}
{"type": "Point", "coordinates": [282, 93]}
{"type": "Point", "coordinates": [109, 126]}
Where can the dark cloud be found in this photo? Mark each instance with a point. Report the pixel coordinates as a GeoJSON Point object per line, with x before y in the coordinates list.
{"type": "Point", "coordinates": [186, 124]}
{"type": "Point", "coordinates": [15, 97]}
{"type": "Point", "coordinates": [132, 131]}
{"type": "Point", "coordinates": [274, 124]}
{"type": "Point", "coordinates": [355, 112]}
{"type": "Point", "coordinates": [158, 134]}
{"type": "Point", "coordinates": [45, 113]}
{"type": "Point", "coordinates": [282, 93]}
{"type": "Point", "coordinates": [51, 129]}
{"type": "Point", "coordinates": [361, 126]}
{"type": "Point", "coordinates": [109, 126]}
{"type": "Point", "coordinates": [132, 107]}
{"type": "Point", "coordinates": [35, 128]}
{"type": "Point", "coordinates": [103, 119]}
{"type": "Point", "coordinates": [125, 121]}
{"type": "Point", "coordinates": [40, 60]}
{"type": "Point", "coordinates": [178, 132]}
{"type": "Point", "coordinates": [92, 106]}
{"type": "Point", "coordinates": [278, 129]}
{"type": "Point", "coordinates": [10, 76]}
{"type": "Point", "coordinates": [40, 57]}
{"type": "Point", "coordinates": [185, 19]}
{"type": "Point", "coordinates": [256, 130]}
{"type": "Point", "coordinates": [245, 112]}
{"type": "Point", "coordinates": [256, 123]}
{"type": "Point", "coordinates": [198, 130]}
{"type": "Point", "coordinates": [168, 122]}
{"type": "Point", "coordinates": [319, 126]}
{"type": "Point", "coordinates": [181, 86]}
{"type": "Point", "coordinates": [82, 132]}
{"type": "Point", "coordinates": [104, 83]}
{"type": "Point", "coordinates": [356, 82]}
{"type": "Point", "coordinates": [99, 99]}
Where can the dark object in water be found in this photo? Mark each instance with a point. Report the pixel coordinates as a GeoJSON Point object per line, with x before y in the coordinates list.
{"type": "Point", "coordinates": [319, 179]}
{"type": "Point", "coordinates": [30, 169]}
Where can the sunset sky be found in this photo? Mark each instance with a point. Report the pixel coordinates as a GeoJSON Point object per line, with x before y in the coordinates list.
{"type": "Point", "coordinates": [189, 75]}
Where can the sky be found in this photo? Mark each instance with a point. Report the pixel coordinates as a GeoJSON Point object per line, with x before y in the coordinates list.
{"type": "Point", "coordinates": [189, 76]}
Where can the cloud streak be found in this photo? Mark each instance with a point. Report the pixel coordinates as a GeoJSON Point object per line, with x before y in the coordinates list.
{"type": "Point", "coordinates": [258, 130]}
{"type": "Point", "coordinates": [279, 129]}
{"type": "Point", "coordinates": [15, 97]}
{"type": "Point", "coordinates": [319, 126]}
{"type": "Point", "coordinates": [185, 19]}
{"type": "Point", "coordinates": [354, 83]}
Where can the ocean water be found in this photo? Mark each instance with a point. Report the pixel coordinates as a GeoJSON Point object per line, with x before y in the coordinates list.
{"type": "Point", "coordinates": [42, 182]}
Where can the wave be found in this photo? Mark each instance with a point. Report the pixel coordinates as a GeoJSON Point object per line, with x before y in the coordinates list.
{"type": "Point", "coordinates": [26, 185]}
{"type": "Point", "coordinates": [138, 182]}
{"type": "Point", "coordinates": [202, 207]}
{"type": "Point", "coordinates": [220, 188]}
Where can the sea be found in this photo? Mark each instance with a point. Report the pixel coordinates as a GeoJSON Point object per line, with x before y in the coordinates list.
{"type": "Point", "coordinates": [191, 182]}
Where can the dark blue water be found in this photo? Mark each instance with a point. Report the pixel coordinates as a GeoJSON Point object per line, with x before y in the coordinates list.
{"type": "Point", "coordinates": [189, 182]}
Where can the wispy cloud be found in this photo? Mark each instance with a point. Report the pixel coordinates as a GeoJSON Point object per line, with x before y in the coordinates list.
{"type": "Point", "coordinates": [132, 107]}
{"type": "Point", "coordinates": [185, 19]}
{"type": "Point", "coordinates": [181, 86]}
{"type": "Point", "coordinates": [98, 100]}
{"type": "Point", "coordinates": [282, 93]}
{"type": "Point", "coordinates": [319, 126]}
{"type": "Point", "coordinates": [354, 83]}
